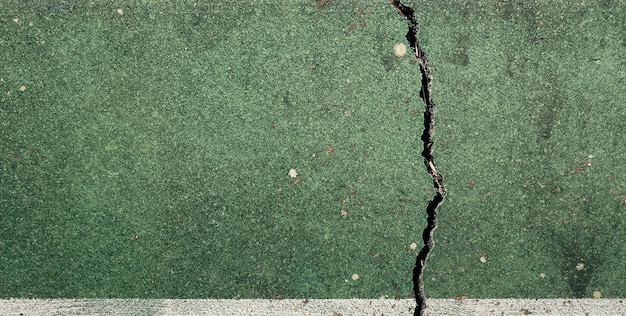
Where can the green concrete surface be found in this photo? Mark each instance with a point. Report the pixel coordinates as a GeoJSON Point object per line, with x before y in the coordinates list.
{"type": "Point", "coordinates": [145, 149]}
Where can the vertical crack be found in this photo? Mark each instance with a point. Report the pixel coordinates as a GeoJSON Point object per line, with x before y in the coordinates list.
{"type": "Point", "coordinates": [429, 129]}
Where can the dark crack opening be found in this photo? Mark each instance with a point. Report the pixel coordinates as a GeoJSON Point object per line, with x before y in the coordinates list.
{"type": "Point", "coordinates": [427, 153]}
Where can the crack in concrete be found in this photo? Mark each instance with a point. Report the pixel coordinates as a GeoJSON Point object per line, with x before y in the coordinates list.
{"type": "Point", "coordinates": [429, 129]}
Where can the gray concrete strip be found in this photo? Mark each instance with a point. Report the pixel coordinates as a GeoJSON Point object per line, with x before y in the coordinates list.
{"type": "Point", "coordinates": [32, 307]}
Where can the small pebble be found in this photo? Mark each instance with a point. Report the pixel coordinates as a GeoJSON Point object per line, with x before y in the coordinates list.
{"type": "Point", "coordinates": [293, 173]}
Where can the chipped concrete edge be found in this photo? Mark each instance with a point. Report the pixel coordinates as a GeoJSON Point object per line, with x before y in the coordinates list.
{"type": "Point", "coordinates": [310, 307]}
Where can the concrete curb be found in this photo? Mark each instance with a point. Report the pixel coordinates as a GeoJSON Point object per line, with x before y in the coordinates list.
{"type": "Point", "coordinates": [335, 307]}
